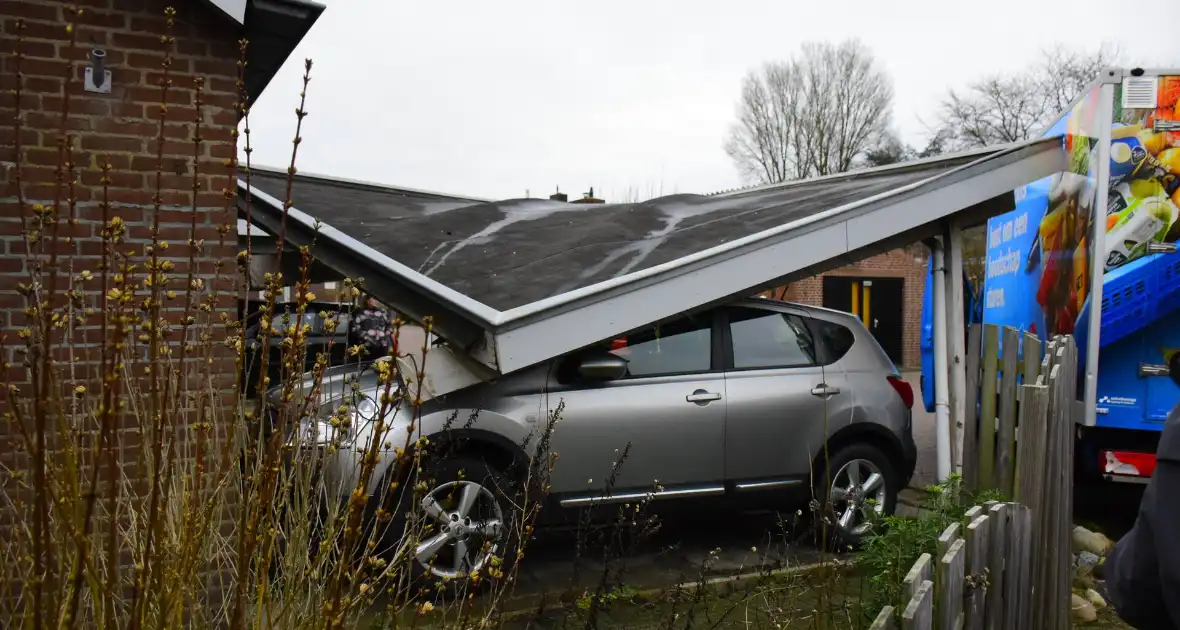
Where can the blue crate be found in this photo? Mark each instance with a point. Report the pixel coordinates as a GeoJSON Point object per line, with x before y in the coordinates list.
{"type": "Point", "coordinates": [1138, 293]}
{"type": "Point", "coordinates": [1168, 284]}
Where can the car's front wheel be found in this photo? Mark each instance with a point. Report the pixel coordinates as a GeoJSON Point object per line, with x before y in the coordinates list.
{"type": "Point", "coordinates": [461, 530]}
{"type": "Point", "coordinates": [856, 487]}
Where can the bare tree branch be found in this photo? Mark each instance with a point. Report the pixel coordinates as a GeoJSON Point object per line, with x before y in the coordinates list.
{"type": "Point", "coordinates": [815, 114]}
{"type": "Point", "coordinates": [1011, 108]}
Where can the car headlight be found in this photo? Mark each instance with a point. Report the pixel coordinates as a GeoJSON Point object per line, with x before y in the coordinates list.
{"type": "Point", "coordinates": [337, 421]}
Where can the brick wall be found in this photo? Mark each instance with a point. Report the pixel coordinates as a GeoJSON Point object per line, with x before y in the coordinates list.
{"type": "Point", "coordinates": [119, 128]}
{"type": "Point", "coordinates": [907, 263]}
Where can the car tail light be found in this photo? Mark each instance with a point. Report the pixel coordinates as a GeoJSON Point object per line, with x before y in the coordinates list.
{"type": "Point", "coordinates": [1128, 463]}
{"type": "Point", "coordinates": [904, 390]}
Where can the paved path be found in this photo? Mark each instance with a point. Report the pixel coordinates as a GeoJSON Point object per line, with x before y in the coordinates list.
{"type": "Point", "coordinates": [926, 471]}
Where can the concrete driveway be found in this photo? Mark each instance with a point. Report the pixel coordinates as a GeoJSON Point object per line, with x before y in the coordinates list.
{"type": "Point", "coordinates": [926, 470]}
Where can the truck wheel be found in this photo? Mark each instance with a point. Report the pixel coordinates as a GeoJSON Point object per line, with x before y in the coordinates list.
{"type": "Point", "coordinates": [857, 487]}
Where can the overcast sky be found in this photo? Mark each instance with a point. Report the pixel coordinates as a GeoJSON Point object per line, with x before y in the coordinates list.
{"type": "Point", "coordinates": [494, 99]}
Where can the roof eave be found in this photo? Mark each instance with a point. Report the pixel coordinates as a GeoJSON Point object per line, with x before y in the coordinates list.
{"type": "Point", "coordinates": [273, 29]}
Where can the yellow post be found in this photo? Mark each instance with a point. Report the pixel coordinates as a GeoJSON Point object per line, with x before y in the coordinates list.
{"type": "Point", "coordinates": [868, 294]}
{"type": "Point", "coordinates": [855, 298]}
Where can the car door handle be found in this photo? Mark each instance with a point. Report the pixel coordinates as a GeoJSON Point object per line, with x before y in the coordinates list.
{"type": "Point", "coordinates": [823, 390]}
{"type": "Point", "coordinates": [702, 396]}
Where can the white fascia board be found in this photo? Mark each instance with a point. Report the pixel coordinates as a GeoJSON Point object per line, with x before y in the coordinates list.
{"type": "Point", "coordinates": [871, 227]}
{"type": "Point", "coordinates": [900, 167]}
{"type": "Point", "coordinates": [528, 335]}
{"type": "Point", "coordinates": [236, 9]}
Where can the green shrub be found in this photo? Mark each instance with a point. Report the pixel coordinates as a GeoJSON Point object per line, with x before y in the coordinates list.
{"type": "Point", "coordinates": [899, 541]}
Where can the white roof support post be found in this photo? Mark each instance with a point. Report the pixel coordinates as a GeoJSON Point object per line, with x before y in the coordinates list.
{"type": "Point", "coordinates": [942, 419]}
{"type": "Point", "coordinates": [956, 340]}
{"type": "Point", "coordinates": [1098, 258]}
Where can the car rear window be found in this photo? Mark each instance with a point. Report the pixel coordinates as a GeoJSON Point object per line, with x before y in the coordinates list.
{"type": "Point", "coordinates": [837, 339]}
{"type": "Point", "coordinates": [768, 339]}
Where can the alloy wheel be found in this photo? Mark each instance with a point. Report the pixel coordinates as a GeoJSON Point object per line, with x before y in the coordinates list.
{"type": "Point", "coordinates": [858, 490]}
{"type": "Point", "coordinates": [468, 526]}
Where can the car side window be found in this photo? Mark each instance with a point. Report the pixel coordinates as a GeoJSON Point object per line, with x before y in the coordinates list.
{"type": "Point", "coordinates": [679, 347]}
{"type": "Point", "coordinates": [837, 339]}
{"type": "Point", "coordinates": [769, 339]}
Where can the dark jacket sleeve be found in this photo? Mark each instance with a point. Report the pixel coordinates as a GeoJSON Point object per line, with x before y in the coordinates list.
{"type": "Point", "coordinates": [1143, 571]}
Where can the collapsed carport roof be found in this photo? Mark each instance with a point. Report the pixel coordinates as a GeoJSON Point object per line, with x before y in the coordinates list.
{"type": "Point", "coordinates": [517, 282]}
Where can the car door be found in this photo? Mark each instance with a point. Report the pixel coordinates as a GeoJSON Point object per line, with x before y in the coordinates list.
{"type": "Point", "coordinates": [779, 396]}
{"type": "Point", "coordinates": [670, 409]}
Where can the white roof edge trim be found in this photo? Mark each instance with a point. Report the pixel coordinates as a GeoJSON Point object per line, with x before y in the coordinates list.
{"type": "Point", "coordinates": [875, 170]}
{"type": "Point", "coordinates": [544, 338]}
{"type": "Point", "coordinates": [489, 315]}
{"type": "Point", "coordinates": [533, 308]}
{"type": "Point", "coordinates": [361, 182]}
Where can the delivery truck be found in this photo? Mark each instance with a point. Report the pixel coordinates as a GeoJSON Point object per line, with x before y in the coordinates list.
{"type": "Point", "coordinates": [1047, 257]}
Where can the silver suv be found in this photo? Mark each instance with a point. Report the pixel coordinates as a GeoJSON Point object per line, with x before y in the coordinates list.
{"type": "Point", "coordinates": [735, 402]}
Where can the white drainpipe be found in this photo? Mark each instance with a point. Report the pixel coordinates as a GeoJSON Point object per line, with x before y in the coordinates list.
{"type": "Point", "coordinates": [942, 406]}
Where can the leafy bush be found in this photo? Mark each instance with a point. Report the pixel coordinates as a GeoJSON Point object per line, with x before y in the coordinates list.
{"type": "Point", "coordinates": [899, 541]}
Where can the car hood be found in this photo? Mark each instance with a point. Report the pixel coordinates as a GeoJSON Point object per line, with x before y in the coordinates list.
{"type": "Point", "coordinates": [335, 381]}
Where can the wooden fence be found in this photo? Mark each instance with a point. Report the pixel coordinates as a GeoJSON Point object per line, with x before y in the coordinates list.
{"type": "Point", "coordinates": [1011, 569]}
{"type": "Point", "coordinates": [980, 580]}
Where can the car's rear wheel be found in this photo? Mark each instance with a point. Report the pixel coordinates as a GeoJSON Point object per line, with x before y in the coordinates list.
{"type": "Point", "coordinates": [857, 486]}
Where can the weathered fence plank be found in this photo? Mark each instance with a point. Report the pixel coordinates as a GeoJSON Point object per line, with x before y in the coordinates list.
{"type": "Point", "coordinates": [971, 428]}
{"type": "Point", "coordinates": [1029, 370]}
{"type": "Point", "coordinates": [922, 571]}
{"type": "Point", "coordinates": [1033, 441]}
{"type": "Point", "coordinates": [919, 613]}
{"type": "Point", "coordinates": [1065, 521]}
{"type": "Point", "coordinates": [1053, 505]}
{"type": "Point", "coordinates": [1061, 500]}
{"type": "Point", "coordinates": [978, 550]}
{"type": "Point", "coordinates": [987, 408]}
{"type": "Point", "coordinates": [1020, 574]}
{"type": "Point", "coordinates": [884, 620]}
{"type": "Point", "coordinates": [1001, 526]}
{"type": "Point", "coordinates": [947, 538]}
{"type": "Point", "coordinates": [951, 571]}
{"type": "Point", "coordinates": [1006, 445]}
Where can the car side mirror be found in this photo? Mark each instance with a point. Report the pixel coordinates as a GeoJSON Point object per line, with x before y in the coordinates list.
{"type": "Point", "coordinates": [602, 367]}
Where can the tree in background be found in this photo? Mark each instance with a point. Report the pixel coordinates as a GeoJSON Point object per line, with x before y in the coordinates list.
{"type": "Point", "coordinates": [1009, 108]}
{"type": "Point", "coordinates": [815, 114]}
